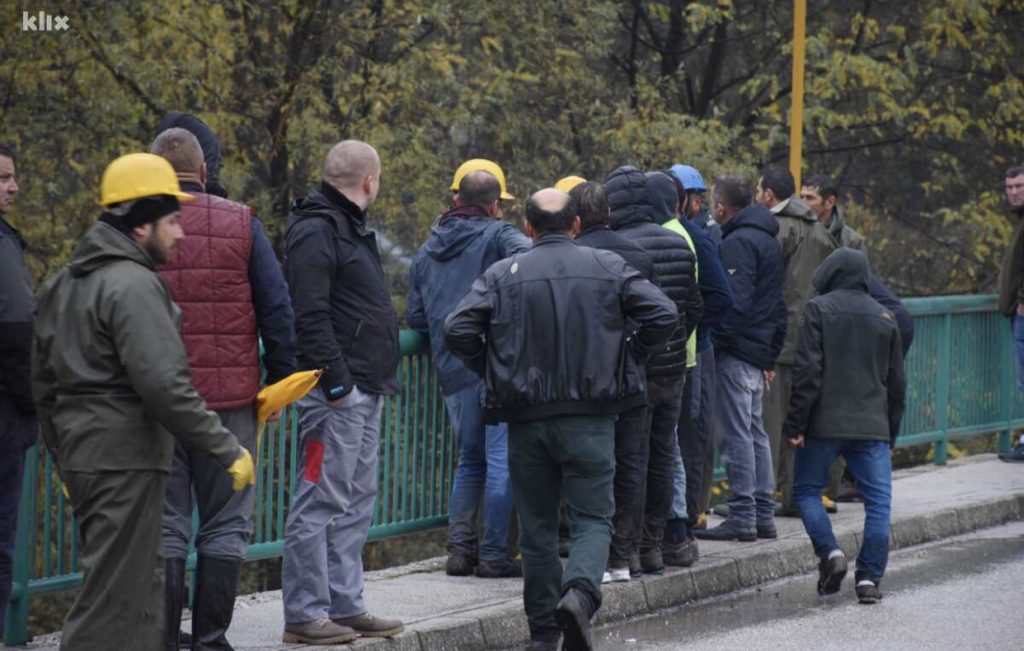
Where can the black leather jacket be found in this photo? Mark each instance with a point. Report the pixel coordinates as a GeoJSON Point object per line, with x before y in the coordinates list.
{"type": "Point", "coordinates": [547, 330]}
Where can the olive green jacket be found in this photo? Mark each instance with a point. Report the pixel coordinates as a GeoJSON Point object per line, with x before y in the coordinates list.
{"type": "Point", "coordinates": [805, 245]}
{"type": "Point", "coordinates": [110, 377]}
{"type": "Point", "coordinates": [1011, 276]}
{"type": "Point", "coordinates": [842, 235]}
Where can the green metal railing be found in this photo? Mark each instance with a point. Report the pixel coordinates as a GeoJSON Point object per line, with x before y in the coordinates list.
{"type": "Point", "coordinates": [960, 383]}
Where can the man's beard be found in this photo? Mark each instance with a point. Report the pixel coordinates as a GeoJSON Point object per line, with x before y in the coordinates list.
{"type": "Point", "coordinates": [159, 255]}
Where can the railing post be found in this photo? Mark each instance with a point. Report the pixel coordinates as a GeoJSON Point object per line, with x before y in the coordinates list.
{"type": "Point", "coordinates": [16, 620]}
{"type": "Point", "coordinates": [1007, 385]}
{"type": "Point", "coordinates": [942, 397]}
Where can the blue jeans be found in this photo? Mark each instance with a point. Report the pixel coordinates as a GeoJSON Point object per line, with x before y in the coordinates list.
{"type": "Point", "coordinates": [480, 476]}
{"type": "Point", "coordinates": [871, 466]}
{"type": "Point", "coordinates": [745, 447]}
{"type": "Point", "coordinates": [1018, 348]}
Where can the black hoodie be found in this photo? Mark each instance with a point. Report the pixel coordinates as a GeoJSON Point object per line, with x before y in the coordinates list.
{"type": "Point", "coordinates": [848, 380]}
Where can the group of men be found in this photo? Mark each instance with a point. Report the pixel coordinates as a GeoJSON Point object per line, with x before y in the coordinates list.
{"type": "Point", "coordinates": [589, 366]}
{"type": "Point", "coordinates": [599, 365]}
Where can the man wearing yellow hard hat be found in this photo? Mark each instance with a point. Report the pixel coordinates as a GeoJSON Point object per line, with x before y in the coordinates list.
{"type": "Point", "coordinates": [481, 165]}
{"type": "Point", "coordinates": [113, 391]}
{"type": "Point", "coordinates": [467, 239]}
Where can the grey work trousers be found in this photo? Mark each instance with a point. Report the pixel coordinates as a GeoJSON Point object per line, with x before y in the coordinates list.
{"type": "Point", "coordinates": [121, 604]}
{"type": "Point", "coordinates": [332, 508]}
{"type": "Point", "coordinates": [225, 515]}
{"type": "Point", "coordinates": [776, 404]}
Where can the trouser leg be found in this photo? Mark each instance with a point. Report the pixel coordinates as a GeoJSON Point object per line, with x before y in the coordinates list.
{"type": "Point", "coordinates": [871, 465]}
{"type": "Point", "coordinates": [664, 398]}
{"type": "Point", "coordinates": [631, 449]}
{"type": "Point", "coordinates": [497, 495]}
{"type": "Point", "coordinates": [470, 470]}
{"type": "Point", "coordinates": [835, 478]}
{"type": "Point", "coordinates": [121, 603]}
{"type": "Point", "coordinates": [693, 443]}
{"type": "Point", "coordinates": [764, 477]}
{"type": "Point", "coordinates": [776, 403]}
{"type": "Point", "coordinates": [811, 473]}
{"type": "Point", "coordinates": [733, 414]}
{"type": "Point", "coordinates": [705, 424]}
{"type": "Point", "coordinates": [15, 430]}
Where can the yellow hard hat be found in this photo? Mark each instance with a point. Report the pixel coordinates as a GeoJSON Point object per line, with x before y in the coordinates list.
{"type": "Point", "coordinates": [134, 176]}
{"type": "Point", "coordinates": [481, 165]}
{"type": "Point", "coordinates": [569, 182]}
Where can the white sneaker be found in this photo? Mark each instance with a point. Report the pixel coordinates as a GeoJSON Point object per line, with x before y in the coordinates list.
{"type": "Point", "coordinates": [607, 578]}
{"type": "Point", "coordinates": [617, 575]}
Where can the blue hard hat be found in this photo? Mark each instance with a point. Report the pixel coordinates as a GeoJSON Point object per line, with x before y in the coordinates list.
{"type": "Point", "coordinates": [689, 177]}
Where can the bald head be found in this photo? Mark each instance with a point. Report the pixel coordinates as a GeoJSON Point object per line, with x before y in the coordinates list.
{"type": "Point", "coordinates": [180, 148]}
{"type": "Point", "coordinates": [551, 211]}
{"type": "Point", "coordinates": [353, 167]}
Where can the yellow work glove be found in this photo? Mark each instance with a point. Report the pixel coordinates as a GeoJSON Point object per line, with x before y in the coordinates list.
{"type": "Point", "coordinates": [242, 471]}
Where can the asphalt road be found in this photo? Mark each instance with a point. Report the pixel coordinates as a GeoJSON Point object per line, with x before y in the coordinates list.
{"type": "Point", "coordinates": [962, 593]}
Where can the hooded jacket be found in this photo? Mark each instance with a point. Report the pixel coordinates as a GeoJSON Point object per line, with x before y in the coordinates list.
{"type": "Point", "coordinates": [843, 235]}
{"type": "Point", "coordinates": [549, 331]}
{"type": "Point", "coordinates": [17, 309]}
{"type": "Point", "coordinates": [805, 245]}
{"type": "Point", "coordinates": [465, 242]}
{"type": "Point", "coordinates": [344, 320]}
{"type": "Point", "coordinates": [110, 377]}
{"type": "Point", "coordinates": [848, 381]}
{"type": "Point", "coordinates": [636, 214]}
{"type": "Point", "coordinates": [208, 141]}
{"type": "Point", "coordinates": [754, 329]}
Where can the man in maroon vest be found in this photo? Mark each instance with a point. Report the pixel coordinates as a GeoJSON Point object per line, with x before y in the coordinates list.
{"type": "Point", "coordinates": [226, 280]}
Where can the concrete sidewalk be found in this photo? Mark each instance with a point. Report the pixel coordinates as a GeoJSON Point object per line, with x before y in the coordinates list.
{"type": "Point", "coordinates": [446, 613]}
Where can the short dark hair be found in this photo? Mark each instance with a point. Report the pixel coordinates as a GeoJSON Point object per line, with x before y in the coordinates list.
{"type": "Point", "coordinates": [780, 182]}
{"type": "Point", "coordinates": [479, 188]}
{"type": "Point", "coordinates": [826, 187]}
{"type": "Point", "coordinates": [545, 221]}
{"type": "Point", "coordinates": [8, 151]}
{"type": "Point", "coordinates": [1015, 171]}
{"type": "Point", "coordinates": [591, 204]}
{"type": "Point", "coordinates": [733, 192]}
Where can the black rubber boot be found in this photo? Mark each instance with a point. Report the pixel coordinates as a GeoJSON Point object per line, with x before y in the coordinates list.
{"type": "Point", "coordinates": [216, 584]}
{"type": "Point", "coordinates": [174, 596]}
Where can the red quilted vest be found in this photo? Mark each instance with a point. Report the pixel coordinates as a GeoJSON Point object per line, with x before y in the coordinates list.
{"type": "Point", "coordinates": [208, 277]}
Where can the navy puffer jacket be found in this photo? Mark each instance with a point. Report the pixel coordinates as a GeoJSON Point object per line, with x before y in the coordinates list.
{"type": "Point", "coordinates": [633, 214]}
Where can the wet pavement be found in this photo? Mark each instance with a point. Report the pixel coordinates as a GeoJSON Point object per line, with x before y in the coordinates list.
{"type": "Point", "coordinates": [961, 593]}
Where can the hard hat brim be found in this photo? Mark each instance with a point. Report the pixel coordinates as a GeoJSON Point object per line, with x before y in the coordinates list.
{"type": "Point", "coordinates": [506, 196]}
{"type": "Point", "coordinates": [183, 196]}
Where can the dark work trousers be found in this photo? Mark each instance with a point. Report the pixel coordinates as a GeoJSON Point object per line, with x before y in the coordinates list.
{"type": "Point", "coordinates": [631, 450]}
{"type": "Point", "coordinates": [225, 515]}
{"type": "Point", "coordinates": [664, 401]}
{"type": "Point", "coordinates": [693, 431]}
{"type": "Point", "coordinates": [705, 423]}
{"type": "Point", "coordinates": [574, 454]}
{"type": "Point", "coordinates": [121, 604]}
{"type": "Point", "coordinates": [17, 434]}
{"type": "Point", "coordinates": [776, 404]}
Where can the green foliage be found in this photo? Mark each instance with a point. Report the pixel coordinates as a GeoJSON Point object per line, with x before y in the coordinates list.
{"type": "Point", "coordinates": [915, 107]}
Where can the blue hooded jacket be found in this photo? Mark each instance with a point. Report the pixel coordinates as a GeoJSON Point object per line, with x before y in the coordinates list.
{"type": "Point", "coordinates": [754, 329]}
{"type": "Point", "coordinates": [465, 242]}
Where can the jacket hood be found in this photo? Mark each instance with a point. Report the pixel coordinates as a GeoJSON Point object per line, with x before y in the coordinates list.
{"type": "Point", "coordinates": [664, 196]}
{"type": "Point", "coordinates": [795, 208]}
{"type": "Point", "coordinates": [842, 269]}
{"type": "Point", "coordinates": [835, 223]}
{"type": "Point", "coordinates": [629, 198]}
{"type": "Point", "coordinates": [208, 141]}
{"type": "Point", "coordinates": [103, 244]}
{"type": "Point", "coordinates": [753, 216]}
{"type": "Point", "coordinates": [324, 202]}
{"type": "Point", "coordinates": [457, 229]}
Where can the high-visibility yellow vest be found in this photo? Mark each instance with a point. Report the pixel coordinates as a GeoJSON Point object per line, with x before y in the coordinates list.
{"type": "Point", "coordinates": [691, 343]}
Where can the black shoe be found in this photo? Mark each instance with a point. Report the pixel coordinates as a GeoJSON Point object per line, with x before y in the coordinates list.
{"type": "Point", "coordinates": [505, 568]}
{"type": "Point", "coordinates": [635, 569]}
{"type": "Point", "coordinates": [867, 592]}
{"type": "Point", "coordinates": [830, 574]}
{"type": "Point", "coordinates": [651, 561]}
{"type": "Point", "coordinates": [544, 641]}
{"type": "Point", "coordinates": [848, 491]}
{"type": "Point", "coordinates": [216, 584]}
{"type": "Point", "coordinates": [573, 617]}
{"type": "Point", "coordinates": [727, 531]}
{"type": "Point", "coordinates": [767, 531]}
{"type": "Point", "coordinates": [564, 545]}
{"type": "Point", "coordinates": [174, 596]}
{"type": "Point", "coordinates": [1016, 455]}
{"type": "Point", "coordinates": [782, 512]}
{"type": "Point", "coordinates": [460, 564]}
{"type": "Point", "coordinates": [683, 554]}
{"type": "Point", "coordinates": [184, 640]}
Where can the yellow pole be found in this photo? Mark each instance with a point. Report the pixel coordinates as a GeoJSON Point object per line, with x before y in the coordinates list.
{"type": "Point", "coordinates": [796, 118]}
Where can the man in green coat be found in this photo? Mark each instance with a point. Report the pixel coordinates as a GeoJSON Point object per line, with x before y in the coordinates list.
{"type": "Point", "coordinates": [805, 245]}
{"type": "Point", "coordinates": [113, 391]}
{"type": "Point", "coordinates": [821, 195]}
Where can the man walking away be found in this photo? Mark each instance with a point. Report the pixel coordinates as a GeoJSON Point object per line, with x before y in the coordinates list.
{"type": "Point", "coordinates": [346, 325]}
{"type": "Point", "coordinates": [468, 238]}
{"type": "Point", "coordinates": [559, 376]}
{"type": "Point", "coordinates": [747, 342]}
{"type": "Point", "coordinates": [805, 245]}
{"type": "Point", "coordinates": [632, 445]}
{"type": "Point", "coordinates": [1011, 285]}
{"type": "Point", "coordinates": [18, 429]}
{"type": "Point", "coordinates": [848, 396]}
{"type": "Point", "coordinates": [226, 280]}
{"type": "Point", "coordinates": [113, 391]}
